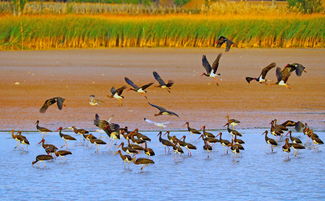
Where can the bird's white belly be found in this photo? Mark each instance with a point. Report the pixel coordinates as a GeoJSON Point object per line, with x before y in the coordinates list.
{"type": "Point", "coordinates": [260, 79]}
{"type": "Point", "coordinates": [164, 86]}
{"type": "Point", "coordinates": [117, 96]}
{"type": "Point", "coordinates": [213, 75]}
{"type": "Point", "coordinates": [281, 83]}
{"type": "Point", "coordinates": [141, 91]}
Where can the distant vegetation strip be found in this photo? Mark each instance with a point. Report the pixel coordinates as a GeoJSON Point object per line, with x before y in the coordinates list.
{"type": "Point", "coordinates": [50, 32]}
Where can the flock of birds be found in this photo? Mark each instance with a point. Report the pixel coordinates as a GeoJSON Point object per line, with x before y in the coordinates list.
{"type": "Point", "coordinates": [136, 142]}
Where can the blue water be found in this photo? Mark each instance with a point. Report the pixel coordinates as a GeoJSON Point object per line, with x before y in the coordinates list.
{"type": "Point", "coordinates": [86, 175]}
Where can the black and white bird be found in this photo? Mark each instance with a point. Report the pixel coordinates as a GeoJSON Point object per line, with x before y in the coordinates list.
{"type": "Point", "coordinates": [163, 111]}
{"type": "Point", "coordinates": [284, 74]}
{"type": "Point", "coordinates": [223, 40]}
{"type": "Point", "coordinates": [162, 83]}
{"type": "Point", "coordinates": [58, 100]}
{"type": "Point", "coordinates": [117, 94]}
{"type": "Point", "coordinates": [261, 78]}
{"type": "Point", "coordinates": [135, 88]}
{"type": "Point", "coordinates": [211, 71]}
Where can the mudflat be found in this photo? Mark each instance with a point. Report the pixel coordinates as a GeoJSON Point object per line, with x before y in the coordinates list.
{"type": "Point", "coordinates": [28, 78]}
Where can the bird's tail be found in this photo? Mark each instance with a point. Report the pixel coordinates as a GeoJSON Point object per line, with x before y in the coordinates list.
{"type": "Point", "coordinates": [249, 79]}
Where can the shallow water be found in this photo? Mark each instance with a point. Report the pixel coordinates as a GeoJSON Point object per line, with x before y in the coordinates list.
{"type": "Point", "coordinates": [85, 175]}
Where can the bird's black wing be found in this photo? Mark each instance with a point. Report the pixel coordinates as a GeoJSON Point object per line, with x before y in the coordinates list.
{"type": "Point", "coordinates": [59, 102]}
{"type": "Point", "coordinates": [221, 41]}
{"type": "Point", "coordinates": [206, 64]}
{"type": "Point", "coordinates": [278, 74]}
{"type": "Point", "coordinates": [146, 85]}
{"type": "Point", "coordinates": [229, 44]}
{"type": "Point", "coordinates": [267, 69]}
{"type": "Point", "coordinates": [113, 90]}
{"type": "Point", "coordinates": [170, 83]}
{"type": "Point", "coordinates": [127, 80]}
{"type": "Point", "coordinates": [299, 68]}
{"type": "Point", "coordinates": [215, 64]}
{"type": "Point", "coordinates": [120, 90]}
{"type": "Point", "coordinates": [173, 113]}
{"type": "Point", "coordinates": [158, 107]}
{"type": "Point", "coordinates": [286, 72]}
{"type": "Point", "coordinates": [158, 78]}
{"type": "Point", "coordinates": [46, 104]}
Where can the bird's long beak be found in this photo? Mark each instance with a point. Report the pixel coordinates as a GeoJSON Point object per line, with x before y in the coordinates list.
{"type": "Point", "coordinates": [225, 124]}
{"type": "Point", "coordinates": [116, 153]}
{"type": "Point", "coordinates": [287, 133]}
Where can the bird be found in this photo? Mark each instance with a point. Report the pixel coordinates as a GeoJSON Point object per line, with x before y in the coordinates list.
{"type": "Point", "coordinates": [207, 134]}
{"type": "Point", "coordinates": [294, 139]}
{"type": "Point", "coordinates": [223, 40]}
{"type": "Point", "coordinates": [117, 94]}
{"type": "Point", "coordinates": [111, 129]}
{"type": "Point", "coordinates": [261, 78]}
{"type": "Point", "coordinates": [286, 147]}
{"type": "Point", "coordinates": [41, 158]}
{"type": "Point", "coordinates": [163, 111]}
{"type": "Point", "coordinates": [158, 124]}
{"type": "Point", "coordinates": [232, 122]}
{"type": "Point", "coordinates": [19, 138]}
{"type": "Point", "coordinates": [50, 147]}
{"type": "Point", "coordinates": [207, 147]}
{"type": "Point", "coordinates": [94, 101]}
{"type": "Point", "coordinates": [299, 126]}
{"type": "Point", "coordinates": [62, 153]}
{"type": "Point", "coordinates": [233, 131]}
{"type": "Point", "coordinates": [58, 100]}
{"type": "Point", "coordinates": [97, 142]}
{"type": "Point", "coordinates": [296, 146]}
{"type": "Point", "coordinates": [162, 83]}
{"type": "Point", "coordinates": [148, 151]}
{"type": "Point", "coordinates": [65, 137]}
{"type": "Point", "coordinates": [192, 130]}
{"type": "Point", "coordinates": [142, 161]}
{"type": "Point", "coordinates": [223, 142]}
{"type": "Point", "coordinates": [126, 158]}
{"type": "Point", "coordinates": [188, 146]}
{"type": "Point", "coordinates": [164, 142]}
{"type": "Point", "coordinates": [128, 149]}
{"type": "Point", "coordinates": [41, 129]}
{"type": "Point", "coordinates": [284, 74]}
{"type": "Point", "coordinates": [79, 131]}
{"type": "Point", "coordinates": [141, 90]}
{"type": "Point", "coordinates": [270, 141]}
{"type": "Point", "coordinates": [211, 71]}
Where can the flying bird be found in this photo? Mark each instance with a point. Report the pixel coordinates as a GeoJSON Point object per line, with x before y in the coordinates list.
{"type": "Point", "coordinates": [135, 88]}
{"type": "Point", "coordinates": [158, 124]}
{"type": "Point", "coordinates": [211, 71]}
{"type": "Point", "coordinates": [223, 40]}
{"type": "Point", "coordinates": [162, 83]}
{"type": "Point", "coordinates": [117, 94]}
{"type": "Point", "coordinates": [261, 78]}
{"type": "Point", "coordinates": [94, 101]}
{"type": "Point", "coordinates": [58, 100]}
{"type": "Point", "coordinates": [284, 74]}
{"type": "Point", "coordinates": [163, 111]}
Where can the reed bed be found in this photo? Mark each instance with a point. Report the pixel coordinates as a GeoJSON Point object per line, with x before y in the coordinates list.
{"type": "Point", "coordinates": [72, 31]}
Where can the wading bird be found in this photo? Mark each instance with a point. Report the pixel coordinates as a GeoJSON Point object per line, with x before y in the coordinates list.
{"type": "Point", "coordinates": [58, 100]}
{"type": "Point", "coordinates": [270, 141]}
{"type": "Point", "coordinates": [41, 158]}
{"type": "Point", "coordinates": [261, 78]}
{"type": "Point", "coordinates": [43, 130]}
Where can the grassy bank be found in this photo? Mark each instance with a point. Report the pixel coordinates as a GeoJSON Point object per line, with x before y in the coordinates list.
{"type": "Point", "coordinates": [71, 31]}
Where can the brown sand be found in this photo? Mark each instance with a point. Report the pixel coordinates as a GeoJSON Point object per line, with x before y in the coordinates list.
{"type": "Point", "coordinates": [76, 74]}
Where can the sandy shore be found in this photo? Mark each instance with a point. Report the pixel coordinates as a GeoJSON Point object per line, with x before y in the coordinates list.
{"type": "Point", "coordinates": [76, 74]}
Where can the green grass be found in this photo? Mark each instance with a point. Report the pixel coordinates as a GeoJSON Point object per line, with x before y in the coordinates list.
{"type": "Point", "coordinates": [48, 32]}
